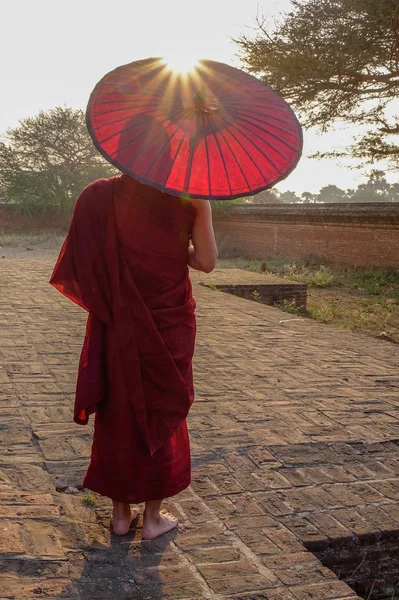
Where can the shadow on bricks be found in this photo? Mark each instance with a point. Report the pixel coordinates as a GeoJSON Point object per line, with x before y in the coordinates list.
{"type": "Point", "coordinates": [127, 569]}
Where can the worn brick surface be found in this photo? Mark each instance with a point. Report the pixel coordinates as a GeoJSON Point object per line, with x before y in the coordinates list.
{"type": "Point", "coordinates": [294, 441]}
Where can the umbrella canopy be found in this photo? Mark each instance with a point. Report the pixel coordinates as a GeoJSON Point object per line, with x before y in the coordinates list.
{"type": "Point", "coordinates": [214, 132]}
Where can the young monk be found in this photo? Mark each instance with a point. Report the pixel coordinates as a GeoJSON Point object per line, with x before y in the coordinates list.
{"type": "Point", "coordinates": [125, 260]}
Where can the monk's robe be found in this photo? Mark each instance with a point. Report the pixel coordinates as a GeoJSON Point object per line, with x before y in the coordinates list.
{"type": "Point", "coordinates": [124, 260]}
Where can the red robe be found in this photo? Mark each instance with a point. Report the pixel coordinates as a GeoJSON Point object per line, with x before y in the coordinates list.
{"type": "Point", "coordinates": [125, 261]}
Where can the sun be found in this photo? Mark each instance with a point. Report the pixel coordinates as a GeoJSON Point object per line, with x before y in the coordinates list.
{"type": "Point", "coordinates": [181, 63]}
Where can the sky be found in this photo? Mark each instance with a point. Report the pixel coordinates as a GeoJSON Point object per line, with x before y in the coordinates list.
{"type": "Point", "coordinates": [52, 53]}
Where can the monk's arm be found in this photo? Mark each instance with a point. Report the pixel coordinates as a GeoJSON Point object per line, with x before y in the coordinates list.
{"type": "Point", "coordinates": [202, 255]}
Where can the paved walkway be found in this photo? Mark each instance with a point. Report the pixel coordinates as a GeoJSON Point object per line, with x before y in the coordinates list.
{"type": "Point", "coordinates": [294, 439]}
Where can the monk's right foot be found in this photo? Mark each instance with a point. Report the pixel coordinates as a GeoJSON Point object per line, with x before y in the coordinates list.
{"type": "Point", "coordinates": [123, 517]}
{"type": "Point", "coordinates": [158, 524]}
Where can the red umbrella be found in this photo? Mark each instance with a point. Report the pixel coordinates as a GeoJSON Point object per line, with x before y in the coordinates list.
{"type": "Point", "coordinates": [215, 132]}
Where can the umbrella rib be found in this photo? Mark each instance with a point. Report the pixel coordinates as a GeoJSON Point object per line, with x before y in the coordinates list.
{"type": "Point", "coordinates": [232, 83]}
{"type": "Point", "coordinates": [115, 110]}
{"type": "Point", "coordinates": [207, 154]}
{"type": "Point", "coordinates": [141, 92]}
{"type": "Point", "coordinates": [257, 86]}
{"type": "Point", "coordinates": [119, 132]}
{"type": "Point", "coordinates": [258, 96]}
{"type": "Point", "coordinates": [222, 82]}
{"type": "Point", "coordinates": [221, 155]}
{"type": "Point", "coordinates": [132, 139]}
{"type": "Point", "coordinates": [135, 71]}
{"type": "Point", "coordinates": [270, 134]}
{"type": "Point", "coordinates": [233, 108]}
{"type": "Point", "coordinates": [262, 117]}
{"type": "Point", "coordinates": [160, 151]}
{"type": "Point", "coordinates": [174, 159]}
{"type": "Point", "coordinates": [258, 149]}
{"type": "Point", "coordinates": [129, 101]}
{"type": "Point", "coordinates": [245, 150]}
{"type": "Point", "coordinates": [127, 128]}
{"type": "Point", "coordinates": [119, 74]}
{"type": "Point", "coordinates": [190, 160]}
{"type": "Point", "coordinates": [262, 89]}
{"type": "Point", "coordinates": [235, 158]}
{"type": "Point", "coordinates": [124, 119]}
{"type": "Point", "coordinates": [145, 145]}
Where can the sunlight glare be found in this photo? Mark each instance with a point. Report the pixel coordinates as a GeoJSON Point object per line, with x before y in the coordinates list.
{"type": "Point", "coordinates": [181, 63]}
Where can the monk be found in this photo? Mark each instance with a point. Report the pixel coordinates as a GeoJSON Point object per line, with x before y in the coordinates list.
{"type": "Point", "coordinates": [125, 260]}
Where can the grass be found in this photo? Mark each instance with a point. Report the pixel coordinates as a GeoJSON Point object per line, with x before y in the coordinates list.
{"type": "Point", "coordinates": [322, 278]}
{"type": "Point", "coordinates": [290, 306]}
{"type": "Point", "coordinates": [89, 499]}
{"type": "Point", "coordinates": [322, 311]}
{"type": "Point", "coordinates": [361, 300]}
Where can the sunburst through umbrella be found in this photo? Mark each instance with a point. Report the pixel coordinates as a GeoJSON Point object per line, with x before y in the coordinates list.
{"type": "Point", "coordinates": [212, 132]}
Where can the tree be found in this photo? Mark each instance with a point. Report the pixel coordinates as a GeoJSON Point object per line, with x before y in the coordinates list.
{"type": "Point", "coordinates": [289, 197]}
{"type": "Point", "coordinates": [265, 197]}
{"type": "Point", "coordinates": [332, 193]}
{"type": "Point", "coordinates": [376, 189]}
{"type": "Point", "coordinates": [335, 60]}
{"type": "Point", "coordinates": [47, 160]}
{"type": "Point", "coordinates": [308, 198]}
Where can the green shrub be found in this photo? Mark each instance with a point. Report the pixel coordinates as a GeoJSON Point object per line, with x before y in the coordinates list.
{"type": "Point", "coordinates": [290, 306]}
{"type": "Point", "coordinates": [322, 311]}
{"type": "Point", "coordinates": [295, 272]}
{"type": "Point", "coordinates": [89, 499]}
{"type": "Point", "coordinates": [373, 281]}
{"type": "Point", "coordinates": [322, 278]}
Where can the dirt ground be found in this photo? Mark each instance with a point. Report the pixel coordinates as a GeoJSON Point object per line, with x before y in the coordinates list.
{"type": "Point", "coordinates": [372, 315]}
{"type": "Point", "coordinates": [36, 244]}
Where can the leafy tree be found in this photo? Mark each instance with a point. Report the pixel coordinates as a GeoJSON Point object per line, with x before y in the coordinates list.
{"type": "Point", "coordinates": [47, 160]}
{"type": "Point", "coordinates": [308, 198]}
{"type": "Point", "coordinates": [394, 193]}
{"type": "Point", "coordinates": [264, 197]}
{"type": "Point", "coordinates": [335, 60]}
{"type": "Point", "coordinates": [376, 189]}
{"type": "Point", "coordinates": [289, 197]}
{"type": "Point", "coordinates": [332, 193]}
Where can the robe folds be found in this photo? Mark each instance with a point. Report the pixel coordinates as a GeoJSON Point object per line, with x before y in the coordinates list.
{"type": "Point", "coordinates": [124, 260]}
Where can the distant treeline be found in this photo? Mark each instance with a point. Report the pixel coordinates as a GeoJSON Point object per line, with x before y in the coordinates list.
{"type": "Point", "coordinates": [376, 189]}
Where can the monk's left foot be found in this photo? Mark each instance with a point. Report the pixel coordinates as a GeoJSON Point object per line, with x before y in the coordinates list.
{"type": "Point", "coordinates": [155, 525]}
{"type": "Point", "coordinates": [123, 517]}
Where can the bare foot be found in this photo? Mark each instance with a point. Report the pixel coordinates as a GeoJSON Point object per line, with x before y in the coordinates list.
{"type": "Point", "coordinates": [156, 525]}
{"type": "Point", "coordinates": [122, 517]}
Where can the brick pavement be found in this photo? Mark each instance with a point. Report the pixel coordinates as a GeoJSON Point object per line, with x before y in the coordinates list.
{"type": "Point", "coordinates": [295, 442]}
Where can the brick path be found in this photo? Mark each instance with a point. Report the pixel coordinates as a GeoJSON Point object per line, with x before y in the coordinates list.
{"type": "Point", "coordinates": [294, 439]}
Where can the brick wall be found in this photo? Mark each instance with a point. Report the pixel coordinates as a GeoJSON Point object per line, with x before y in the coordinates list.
{"type": "Point", "coordinates": [348, 234]}
{"type": "Point", "coordinates": [269, 293]}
